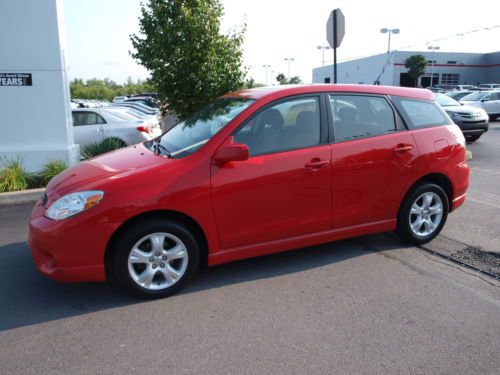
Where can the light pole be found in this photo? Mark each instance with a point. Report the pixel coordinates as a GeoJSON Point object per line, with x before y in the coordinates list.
{"type": "Point", "coordinates": [323, 48]}
{"type": "Point", "coordinates": [385, 30]}
{"type": "Point", "coordinates": [289, 59]}
{"type": "Point", "coordinates": [433, 48]}
{"type": "Point", "coordinates": [267, 67]}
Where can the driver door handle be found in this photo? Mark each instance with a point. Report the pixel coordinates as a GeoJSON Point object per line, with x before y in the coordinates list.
{"type": "Point", "coordinates": [317, 163]}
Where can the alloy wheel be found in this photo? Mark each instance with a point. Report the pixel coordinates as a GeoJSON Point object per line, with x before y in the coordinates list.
{"type": "Point", "coordinates": [158, 261]}
{"type": "Point", "coordinates": [426, 214]}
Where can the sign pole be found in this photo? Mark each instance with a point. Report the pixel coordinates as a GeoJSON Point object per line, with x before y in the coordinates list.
{"type": "Point", "coordinates": [335, 50]}
{"type": "Point", "coordinates": [335, 31]}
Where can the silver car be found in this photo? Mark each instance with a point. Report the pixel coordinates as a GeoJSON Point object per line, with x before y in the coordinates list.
{"type": "Point", "coordinates": [487, 100]}
{"type": "Point", "coordinates": [94, 125]}
{"type": "Point", "coordinates": [472, 121]}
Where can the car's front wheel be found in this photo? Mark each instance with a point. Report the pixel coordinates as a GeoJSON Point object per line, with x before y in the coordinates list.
{"type": "Point", "coordinates": [155, 258]}
{"type": "Point", "coordinates": [423, 213]}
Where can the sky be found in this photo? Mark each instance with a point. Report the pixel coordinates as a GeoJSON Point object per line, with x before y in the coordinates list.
{"type": "Point", "coordinates": [98, 45]}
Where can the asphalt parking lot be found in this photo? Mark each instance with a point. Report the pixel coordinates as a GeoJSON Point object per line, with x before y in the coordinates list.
{"type": "Point", "coordinates": [368, 305]}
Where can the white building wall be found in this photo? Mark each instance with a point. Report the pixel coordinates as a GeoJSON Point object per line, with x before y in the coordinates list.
{"type": "Point", "coordinates": [35, 121]}
{"type": "Point", "coordinates": [472, 68]}
{"type": "Point", "coordinates": [365, 71]}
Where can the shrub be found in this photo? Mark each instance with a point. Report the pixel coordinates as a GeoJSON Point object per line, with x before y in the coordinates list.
{"type": "Point", "coordinates": [107, 145]}
{"type": "Point", "coordinates": [51, 169]}
{"type": "Point", "coordinates": [13, 176]}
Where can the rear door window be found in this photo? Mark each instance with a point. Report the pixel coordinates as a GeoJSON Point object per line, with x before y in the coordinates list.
{"type": "Point", "coordinates": [421, 113]}
{"type": "Point", "coordinates": [361, 116]}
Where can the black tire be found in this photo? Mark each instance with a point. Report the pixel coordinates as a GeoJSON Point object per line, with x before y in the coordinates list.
{"type": "Point", "coordinates": [404, 230]}
{"type": "Point", "coordinates": [129, 237]}
{"type": "Point", "coordinates": [472, 138]}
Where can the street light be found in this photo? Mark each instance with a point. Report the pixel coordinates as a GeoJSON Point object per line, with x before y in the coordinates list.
{"type": "Point", "coordinates": [434, 49]}
{"type": "Point", "coordinates": [267, 67]}
{"type": "Point", "coordinates": [323, 48]}
{"type": "Point", "coordinates": [385, 30]}
{"type": "Point", "coordinates": [289, 59]}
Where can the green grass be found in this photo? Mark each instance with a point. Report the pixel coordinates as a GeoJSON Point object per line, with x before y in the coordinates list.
{"type": "Point", "coordinates": [50, 170]}
{"type": "Point", "coordinates": [13, 176]}
{"type": "Point", "coordinates": [107, 145]}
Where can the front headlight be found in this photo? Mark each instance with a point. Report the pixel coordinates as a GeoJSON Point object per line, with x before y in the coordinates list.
{"type": "Point", "coordinates": [73, 204]}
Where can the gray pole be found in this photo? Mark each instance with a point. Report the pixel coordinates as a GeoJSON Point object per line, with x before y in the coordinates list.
{"type": "Point", "coordinates": [389, 43]}
{"type": "Point", "coordinates": [334, 48]}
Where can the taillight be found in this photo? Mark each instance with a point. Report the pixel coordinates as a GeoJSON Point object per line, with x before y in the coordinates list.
{"type": "Point", "coordinates": [145, 129]}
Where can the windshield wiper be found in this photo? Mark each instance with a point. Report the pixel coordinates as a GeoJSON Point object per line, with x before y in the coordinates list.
{"type": "Point", "coordinates": [157, 146]}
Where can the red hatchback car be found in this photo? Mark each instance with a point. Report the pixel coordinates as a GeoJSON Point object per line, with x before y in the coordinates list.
{"type": "Point", "coordinates": [254, 172]}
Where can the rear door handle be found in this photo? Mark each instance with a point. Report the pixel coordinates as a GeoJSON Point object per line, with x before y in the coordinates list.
{"type": "Point", "coordinates": [403, 148]}
{"type": "Point", "coordinates": [317, 163]}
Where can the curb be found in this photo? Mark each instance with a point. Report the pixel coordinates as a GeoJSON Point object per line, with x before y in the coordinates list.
{"type": "Point", "coordinates": [20, 197]}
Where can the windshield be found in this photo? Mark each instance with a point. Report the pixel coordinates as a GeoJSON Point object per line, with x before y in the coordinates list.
{"type": "Point", "coordinates": [189, 135]}
{"type": "Point", "coordinates": [475, 96]}
{"type": "Point", "coordinates": [445, 100]}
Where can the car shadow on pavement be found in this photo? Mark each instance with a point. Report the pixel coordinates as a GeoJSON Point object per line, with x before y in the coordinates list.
{"type": "Point", "coordinates": [28, 297]}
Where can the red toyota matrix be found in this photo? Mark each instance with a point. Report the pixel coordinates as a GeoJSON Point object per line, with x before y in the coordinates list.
{"type": "Point", "coordinates": [254, 172]}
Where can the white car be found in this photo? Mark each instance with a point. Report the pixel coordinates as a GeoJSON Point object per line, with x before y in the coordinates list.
{"type": "Point", "coordinates": [487, 100]}
{"type": "Point", "coordinates": [94, 125]}
{"type": "Point", "coordinates": [135, 113]}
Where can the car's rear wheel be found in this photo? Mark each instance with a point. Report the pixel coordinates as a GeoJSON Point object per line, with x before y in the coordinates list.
{"type": "Point", "coordinates": [423, 213]}
{"type": "Point", "coordinates": [155, 258]}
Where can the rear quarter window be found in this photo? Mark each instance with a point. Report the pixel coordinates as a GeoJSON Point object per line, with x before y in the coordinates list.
{"type": "Point", "coordinates": [421, 113]}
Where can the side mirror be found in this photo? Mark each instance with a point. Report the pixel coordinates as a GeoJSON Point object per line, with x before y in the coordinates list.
{"type": "Point", "coordinates": [231, 152]}
{"type": "Point", "coordinates": [485, 100]}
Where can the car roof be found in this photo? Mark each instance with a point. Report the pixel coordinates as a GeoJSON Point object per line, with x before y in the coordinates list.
{"type": "Point", "coordinates": [286, 90]}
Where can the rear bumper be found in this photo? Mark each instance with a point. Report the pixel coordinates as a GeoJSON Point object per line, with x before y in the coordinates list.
{"type": "Point", "coordinates": [457, 202]}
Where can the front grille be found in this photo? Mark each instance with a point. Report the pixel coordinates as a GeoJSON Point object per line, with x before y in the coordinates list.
{"type": "Point", "coordinates": [475, 122]}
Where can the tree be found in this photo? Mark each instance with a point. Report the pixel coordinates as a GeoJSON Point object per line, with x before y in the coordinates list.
{"type": "Point", "coordinates": [190, 61]}
{"type": "Point", "coordinates": [416, 65]}
{"type": "Point", "coordinates": [107, 89]}
{"type": "Point", "coordinates": [284, 81]}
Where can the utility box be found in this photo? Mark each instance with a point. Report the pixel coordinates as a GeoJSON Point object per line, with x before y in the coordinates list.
{"type": "Point", "coordinates": [35, 112]}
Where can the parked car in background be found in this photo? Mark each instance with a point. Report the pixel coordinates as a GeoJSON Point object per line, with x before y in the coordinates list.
{"type": "Point", "coordinates": [119, 99]}
{"type": "Point", "coordinates": [94, 125]}
{"type": "Point", "coordinates": [457, 95]}
{"type": "Point", "coordinates": [489, 86]}
{"type": "Point", "coordinates": [135, 114]}
{"type": "Point", "coordinates": [152, 103]}
{"type": "Point", "coordinates": [488, 100]}
{"type": "Point", "coordinates": [472, 121]}
{"type": "Point", "coordinates": [153, 95]}
{"type": "Point", "coordinates": [253, 173]}
{"type": "Point", "coordinates": [439, 88]}
{"type": "Point", "coordinates": [463, 87]}
{"type": "Point", "coordinates": [137, 106]}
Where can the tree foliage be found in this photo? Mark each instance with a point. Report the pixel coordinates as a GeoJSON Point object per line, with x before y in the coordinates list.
{"type": "Point", "coordinates": [282, 80]}
{"type": "Point", "coordinates": [107, 89]}
{"type": "Point", "coordinates": [190, 61]}
{"type": "Point", "coordinates": [416, 65]}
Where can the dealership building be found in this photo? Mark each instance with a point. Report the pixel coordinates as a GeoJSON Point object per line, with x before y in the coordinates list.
{"type": "Point", "coordinates": [447, 68]}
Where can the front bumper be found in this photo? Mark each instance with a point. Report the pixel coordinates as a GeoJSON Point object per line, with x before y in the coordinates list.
{"type": "Point", "coordinates": [70, 250]}
{"type": "Point", "coordinates": [472, 127]}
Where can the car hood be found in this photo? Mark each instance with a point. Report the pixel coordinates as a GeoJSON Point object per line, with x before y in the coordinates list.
{"type": "Point", "coordinates": [476, 104]}
{"type": "Point", "coordinates": [93, 173]}
{"type": "Point", "coordinates": [461, 109]}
